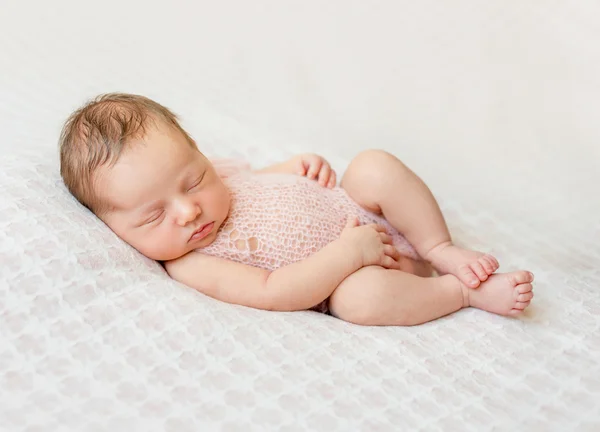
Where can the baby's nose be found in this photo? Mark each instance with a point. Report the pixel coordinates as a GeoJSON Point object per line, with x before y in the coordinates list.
{"type": "Point", "coordinates": [187, 212]}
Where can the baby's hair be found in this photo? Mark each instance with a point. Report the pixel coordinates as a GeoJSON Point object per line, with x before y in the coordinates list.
{"type": "Point", "coordinates": [96, 135]}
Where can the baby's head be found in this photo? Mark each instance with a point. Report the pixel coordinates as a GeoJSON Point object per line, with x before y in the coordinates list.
{"type": "Point", "coordinates": [128, 160]}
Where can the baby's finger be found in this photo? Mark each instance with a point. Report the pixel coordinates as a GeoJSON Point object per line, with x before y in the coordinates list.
{"type": "Point", "coordinates": [378, 228]}
{"type": "Point", "coordinates": [300, 166]}
{"type": "Point", "coordinates": [351, 222]}
{"type": "Point", "coordinates": [391, 251]}
{"type": "Point", "coordinates": [315, 164]}
{"type": "Point", "coordinates": [385, 238]}
{"type": "Point", "coordinates": [390, 263]}
{"type": "Point", "coordinates": [324, 174]}
{"type": "Point", "coordinates": [332, 180]}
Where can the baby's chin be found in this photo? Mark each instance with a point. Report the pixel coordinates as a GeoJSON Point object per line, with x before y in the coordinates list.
{"type": "Point", "coordinates": [165, 255]}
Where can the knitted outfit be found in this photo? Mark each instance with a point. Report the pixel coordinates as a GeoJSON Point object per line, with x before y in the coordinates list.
{"type": "Point", "coordinates": [279, 219]}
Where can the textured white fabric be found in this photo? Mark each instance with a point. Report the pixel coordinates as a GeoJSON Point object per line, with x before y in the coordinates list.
{"type": "Point", "coordinates": [95, 336]}
{"type": "Point", "coordinates": [491, 102]}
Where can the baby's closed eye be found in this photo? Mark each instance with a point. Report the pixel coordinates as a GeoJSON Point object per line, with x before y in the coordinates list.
{"type": "Point", "coordinates": [196, 183]}
{"type": "Point", "coordinates": [155, 216]}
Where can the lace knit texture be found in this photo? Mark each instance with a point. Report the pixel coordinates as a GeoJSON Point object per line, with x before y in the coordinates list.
{"type": "Point", "coordinates": [279, 219]}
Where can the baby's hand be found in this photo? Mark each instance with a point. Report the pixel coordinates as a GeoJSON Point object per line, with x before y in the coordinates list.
{"type": "Point", "coordinates": [372, 243]}
{"type": "Point", "coordinates": [315, 168]}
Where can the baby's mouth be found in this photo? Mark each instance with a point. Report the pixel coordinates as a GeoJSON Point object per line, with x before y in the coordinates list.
{"type": "Point", "coordinates": [202, 232]}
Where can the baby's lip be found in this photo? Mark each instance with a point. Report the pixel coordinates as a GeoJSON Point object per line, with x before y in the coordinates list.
{"type": "Point", "coordinates": [200, 229]}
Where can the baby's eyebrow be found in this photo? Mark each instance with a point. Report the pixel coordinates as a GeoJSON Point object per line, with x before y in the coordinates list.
{"type": "Point", "coordinates": [153, 206]}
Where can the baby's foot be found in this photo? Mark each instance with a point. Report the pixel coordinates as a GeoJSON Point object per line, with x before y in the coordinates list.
{"type": "Point", "coordinates": [471, 267]}
{"type": "Point", "coordinates": [502, 294]}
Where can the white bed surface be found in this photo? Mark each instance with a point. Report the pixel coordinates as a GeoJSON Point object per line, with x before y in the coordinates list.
{"type": "Point", "coordinates": [491, 104]}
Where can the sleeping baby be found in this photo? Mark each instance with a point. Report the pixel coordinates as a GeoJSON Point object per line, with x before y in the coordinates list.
{"type": "Point", "coordinates": [282, 238]}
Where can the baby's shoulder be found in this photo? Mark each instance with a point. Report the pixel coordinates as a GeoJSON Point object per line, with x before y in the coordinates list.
{"type": "Point", "coordinates": [228, 167]}
{"type": "Point", "coordinates": [194, 264]}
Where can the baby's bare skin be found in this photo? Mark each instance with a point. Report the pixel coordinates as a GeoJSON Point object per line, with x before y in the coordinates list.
{"type": "Point", "coordinates": [471, 267]}
{"type": "Point", "coordinates": [502, 294]}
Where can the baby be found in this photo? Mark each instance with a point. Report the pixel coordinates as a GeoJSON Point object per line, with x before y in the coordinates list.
{"type": "Point", "coordinates": [283, 238]}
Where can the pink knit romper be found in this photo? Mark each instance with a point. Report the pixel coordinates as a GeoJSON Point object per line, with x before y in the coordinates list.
{"type": "Point", "coordinates": [278, 219]}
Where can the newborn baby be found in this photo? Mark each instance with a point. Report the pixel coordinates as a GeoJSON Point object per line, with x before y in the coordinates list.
{"type": "Point", "coordinates": [284, 237]}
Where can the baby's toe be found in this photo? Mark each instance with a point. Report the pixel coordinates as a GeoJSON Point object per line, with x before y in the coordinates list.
{"type": "Point", "coordinates": [515, 312]}
{"type": "Point", "coordinates": [466, 275]}
{"type": "Point", "coordinates": [493, 261]}
{"type": "Point", "coordinates": [520, 277]}
{"type": "Point", "coordinates": [477, 268]}
{"type": "Point", "coordinates": [487, 265]}
{"type": "Point", "coordinates": [525, 297]}
{"type": "Point", "coordinates": [521, 305]}
{"type": "Point", "coordinates": [524, 288]}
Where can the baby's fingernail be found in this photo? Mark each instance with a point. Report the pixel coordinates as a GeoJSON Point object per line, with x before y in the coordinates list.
{"type": "Point", "coordinates": [473, 281]}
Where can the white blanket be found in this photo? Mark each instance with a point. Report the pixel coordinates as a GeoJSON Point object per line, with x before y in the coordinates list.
{"type": "Point", "coordinates": [494, 104]}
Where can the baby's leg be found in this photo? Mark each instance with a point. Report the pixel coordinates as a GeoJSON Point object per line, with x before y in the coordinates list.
{"type": "Point", "coordinates": [381, 183]}
{"type": "Point", "coordinates": [377, 296]}
{"type": "Point", "coordinates": [419, 268]}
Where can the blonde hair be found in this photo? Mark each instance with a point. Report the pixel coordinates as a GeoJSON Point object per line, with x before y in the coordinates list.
{"type": "Point", "coordinates": [96, 135]}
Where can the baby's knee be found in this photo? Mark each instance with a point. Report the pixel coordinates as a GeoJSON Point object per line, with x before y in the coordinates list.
{"type": "Point", "coordinates": [372, 158]}
{"type": "Point", "coordinates": [371, 167]}
{"type": "Point", "coordinates": [352, 301]}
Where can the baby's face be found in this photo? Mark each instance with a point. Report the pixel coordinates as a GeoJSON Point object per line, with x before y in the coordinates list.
{"type": "Point", "coordinates": [165, 197]}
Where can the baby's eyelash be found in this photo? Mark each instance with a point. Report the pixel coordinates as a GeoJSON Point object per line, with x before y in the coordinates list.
{"type": "Point", "coordinates": [197, 182]}
{"type": "Point", "coordinates": [153, 218]}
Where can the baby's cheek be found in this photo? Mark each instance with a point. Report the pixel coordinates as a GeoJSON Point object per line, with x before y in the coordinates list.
{"type": "Point", "coordinates": [159, 245]}
{"type": "Point", "coordinates": [147, 247]}
{"type": "Point", "coordinates": [222, 201]}
{"type": "Point", "coordinates": [227, 202]}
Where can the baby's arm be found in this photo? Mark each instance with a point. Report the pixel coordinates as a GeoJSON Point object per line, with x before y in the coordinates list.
{"type": "Point", "coordinates": [298, 286]}
{"type": "Point", "coordinates": [310, 165]}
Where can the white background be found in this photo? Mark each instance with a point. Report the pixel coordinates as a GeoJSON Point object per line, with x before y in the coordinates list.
{"type": "Point", "coordinates": [503, 93]}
